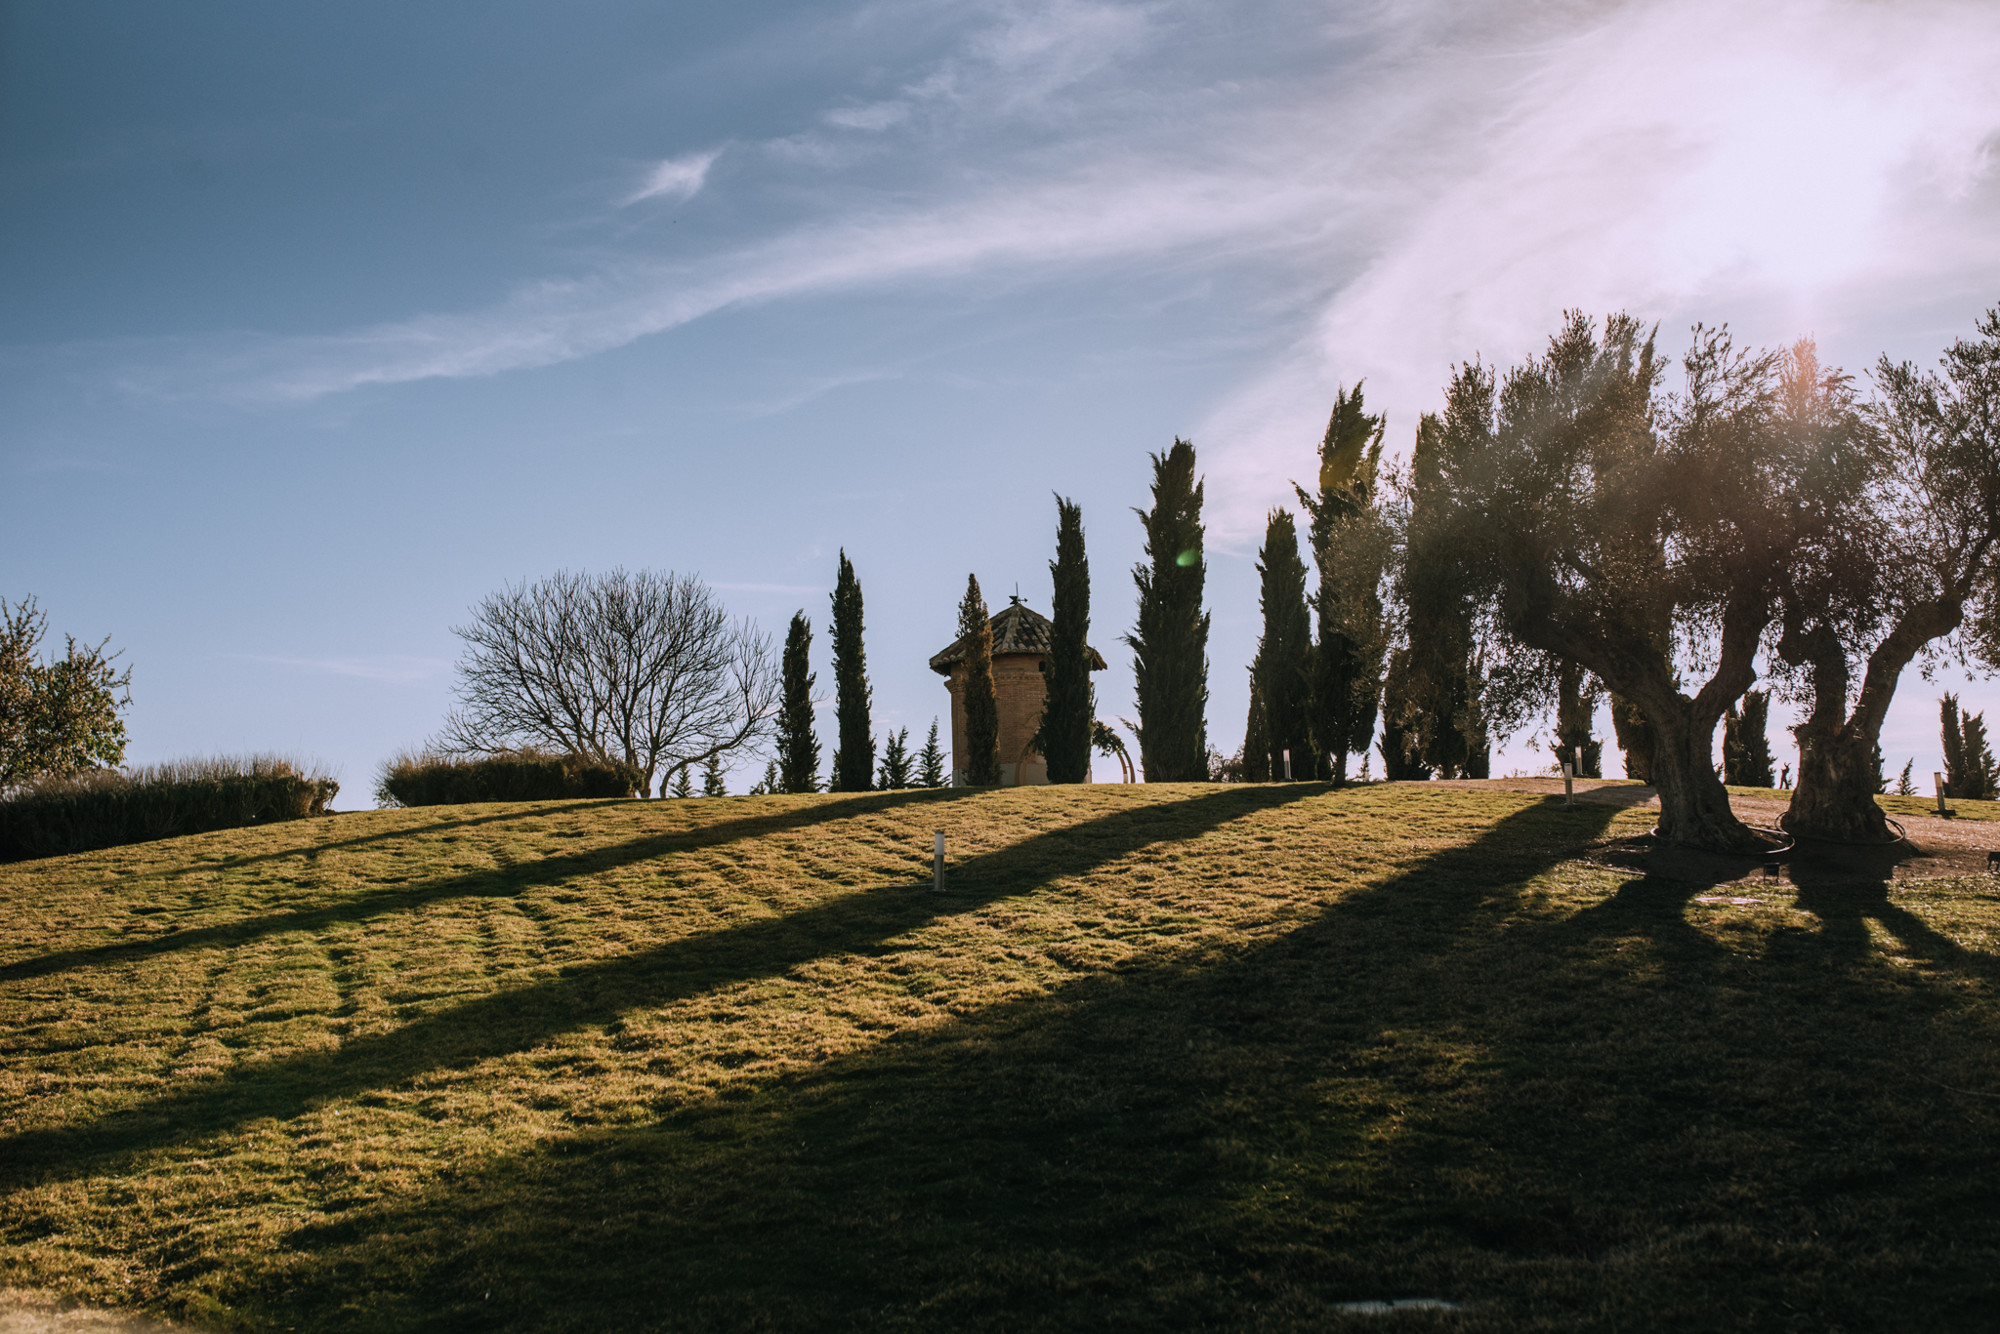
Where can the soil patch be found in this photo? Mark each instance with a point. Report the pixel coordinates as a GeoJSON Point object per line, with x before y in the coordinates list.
{"type": "Point", "coordinates": [26, 1312]}
{"type": "Point", "coordinates": [1932, 846]}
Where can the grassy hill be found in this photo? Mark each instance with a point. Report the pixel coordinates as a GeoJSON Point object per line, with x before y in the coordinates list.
{"type": "Point", "coordinates": [1164, 1056]}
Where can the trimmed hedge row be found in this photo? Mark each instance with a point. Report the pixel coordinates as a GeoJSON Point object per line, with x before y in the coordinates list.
{"type": "Point", "coordinates": [112, 807]}
{"type": "Point", "coordinates": [524, 775]}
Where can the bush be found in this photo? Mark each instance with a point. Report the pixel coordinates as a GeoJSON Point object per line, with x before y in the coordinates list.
{"type": "Point", "coordinates": [109, 807]}
{"type": "Point", "coordinates": [429, 779]}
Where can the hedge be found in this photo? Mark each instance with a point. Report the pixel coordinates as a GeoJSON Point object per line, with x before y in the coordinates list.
{"type": "Point", "coordinates": [429, 779]}
{"type": "Point", "coordinates": [110, 807]}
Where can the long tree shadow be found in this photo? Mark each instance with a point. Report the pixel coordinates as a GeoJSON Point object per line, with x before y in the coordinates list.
{"type": "Point", "coordinates": [521, 1017]}
{"type": "Point", "coordinates": [499, 882]}
{"type": "Point", "coordinates": [1240, 1144]}
{"type": "Point", "coordinates": [311, 825]}
{"type": "Point", "coordinates": [1845, 897]}
{"type": "Point", "coordinates": [989, 1174]}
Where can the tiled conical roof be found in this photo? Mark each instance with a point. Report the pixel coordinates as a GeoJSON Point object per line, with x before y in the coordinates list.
{"type": "Point", "coordinates": [1016, 629]}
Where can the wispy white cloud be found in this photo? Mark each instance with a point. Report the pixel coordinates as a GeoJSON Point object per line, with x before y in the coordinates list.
{"type": "Point", "coordinates": [368, 667]}
{"type": "Point", "coordinates": [675, 178]}
{"type": "Point", "coordinates": [1820, 166]}
{"type": "Point", "coordinates": [1427, 181]}
{"type": "Point", "coordinates": [772, 588]}
{"type": "Point", "coordinates": [874, 116]}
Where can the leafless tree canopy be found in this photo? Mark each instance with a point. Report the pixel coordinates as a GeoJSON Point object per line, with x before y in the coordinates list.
{"type": "Point", "coordinates": [647, 668]}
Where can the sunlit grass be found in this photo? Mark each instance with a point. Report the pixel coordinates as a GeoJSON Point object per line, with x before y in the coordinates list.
{"type": "Point", "coordinates": [1161, 1056]}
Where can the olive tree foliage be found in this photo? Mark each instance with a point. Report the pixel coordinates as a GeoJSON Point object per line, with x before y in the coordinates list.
{"type": "Point", "coordinates": [1598, 512]}
{"type": "Point", "coordinates": [1908, 573]}
{"type": "Point", "coordinates": [59, 717]}
{"type": "Point", "coordinates": [646, 668]}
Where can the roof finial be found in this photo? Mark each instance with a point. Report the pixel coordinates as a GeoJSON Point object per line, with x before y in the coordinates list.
{"type": "Point", "coordinates": [1017, 592]}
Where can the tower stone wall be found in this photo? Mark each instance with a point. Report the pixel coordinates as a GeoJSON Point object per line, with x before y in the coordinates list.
{"type": "Point", "coordinates": [1020, 647]}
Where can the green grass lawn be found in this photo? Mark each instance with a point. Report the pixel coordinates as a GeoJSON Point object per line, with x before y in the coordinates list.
{"type": "Point", "coordinates": [1164, 1056]}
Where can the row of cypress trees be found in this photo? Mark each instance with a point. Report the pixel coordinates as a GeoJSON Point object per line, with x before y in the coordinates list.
{"type": "Point", "coordinates": [796, 768]}
{"type": "Point", "coordinates": [1314, 698]}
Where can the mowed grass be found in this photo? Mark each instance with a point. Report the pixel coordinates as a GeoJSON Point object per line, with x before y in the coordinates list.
{"type": "Point", "coordinates": [1163, 1056]}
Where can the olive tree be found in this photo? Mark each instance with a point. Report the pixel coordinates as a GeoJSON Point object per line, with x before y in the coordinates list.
{"type": "Point", "coordinates": [645, 668]}
{"type": "Point", "coordinates": [1911, 560]}
{"type": "Point", "coordinates": [1597, 511]}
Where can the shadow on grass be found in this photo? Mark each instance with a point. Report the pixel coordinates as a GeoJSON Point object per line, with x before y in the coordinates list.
{"type": "Point", "coordinates": [496, 883]}
{"type": "Point", "coordinates": [1438, 1087]}
{"type": "Point", "coordinates": [1566, 1120]}
{"type": "Point", "coordinates": [1132, 1150]}
{"type": "Point", "coordinates": [519, 1018]}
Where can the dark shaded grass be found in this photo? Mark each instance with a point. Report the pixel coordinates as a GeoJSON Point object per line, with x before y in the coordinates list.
{"type": "Point", "coordinates": [1568, 1098]}
{"type": "Point", "coordinates": [1601, 1120]}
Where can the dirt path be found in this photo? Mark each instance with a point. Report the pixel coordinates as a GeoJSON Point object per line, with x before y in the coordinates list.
{"type": "Point", "coordinates": [1935, 847]}
{"type": "Point", "coordinates": [25, 1312]}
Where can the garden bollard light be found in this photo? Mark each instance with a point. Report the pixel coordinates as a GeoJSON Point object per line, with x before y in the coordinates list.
{"type": "Point", "coordinates": [1569, 797]}
{"type": "Point", "coordinates": [1288, 766]}
{"type": "Point", "coordinates": [937, 864]}
{"type": "Point", "coordinates": [1937, 781]}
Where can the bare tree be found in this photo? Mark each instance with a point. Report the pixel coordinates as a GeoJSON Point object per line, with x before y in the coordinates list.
{"type": "Point", "coordinates": [647, 668]}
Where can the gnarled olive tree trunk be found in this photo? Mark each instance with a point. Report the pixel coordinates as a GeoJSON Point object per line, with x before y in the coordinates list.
{"type": "Point", "coordinates": [1835, 795]}
{"type": "Point", "coordinates": [1694, 805]}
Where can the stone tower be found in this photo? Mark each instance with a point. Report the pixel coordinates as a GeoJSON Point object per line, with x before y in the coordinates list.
{"type": "Point", "coordinates": [1020, 647]}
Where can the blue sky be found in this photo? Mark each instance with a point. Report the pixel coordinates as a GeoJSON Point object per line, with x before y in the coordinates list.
{"type": "Point", "coordinates": [318, 325]}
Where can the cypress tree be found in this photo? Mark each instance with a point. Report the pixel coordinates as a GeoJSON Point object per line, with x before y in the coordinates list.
{"type": "Point", "coordinates": [1170, 642]}
{"type": "Point", "coordinates": [1347, 661]}
{"type": "Point", "coordinates": [1746, 750]}
{"type": "Point", "coordinates": [1981, 774]}
{"type": "Point", "coordinates": [711, 778]}
{"type": "Point", "coordinates": [1403, 718]}
{"type": "Point", "coordinates": [1953, 737]}
{"type": "Point", "coordinates": [1284, 654]}
{"type": "Point", "coordinates": [930, 760]}
{"type": "Point", "coordinates": [1436, 705]}
{"type": "Point", "coordinates": [981, 763]}
{"type": "Point", "coordinates": [1575, 708]}
{"type": "Point", "coordinates": [683, 785]}
{"type": "Point", "coordinates": [854, 757]}
{"type": "Point", "coordinates": [1256, 735]}
{"type": "Point", "coordinates": [798, 748]}
{"type": "Point", "coordinates": [895, 762]}
{"type": "Point", "coordinates": [769, 782]}
{"type": "Point", "coordinates": [1969, 771]}
{"type": "Point", "coordinates": [1072, 700]}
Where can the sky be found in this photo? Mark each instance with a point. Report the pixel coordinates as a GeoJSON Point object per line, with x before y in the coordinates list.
{"type": "Point", "coordinates": [319, 324]}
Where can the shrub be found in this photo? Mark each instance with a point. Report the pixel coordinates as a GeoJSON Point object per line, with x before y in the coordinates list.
{"type": "Point", "coordinates": [430, 779]}
{"type": "Point", "coordinates": [108, 807]}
